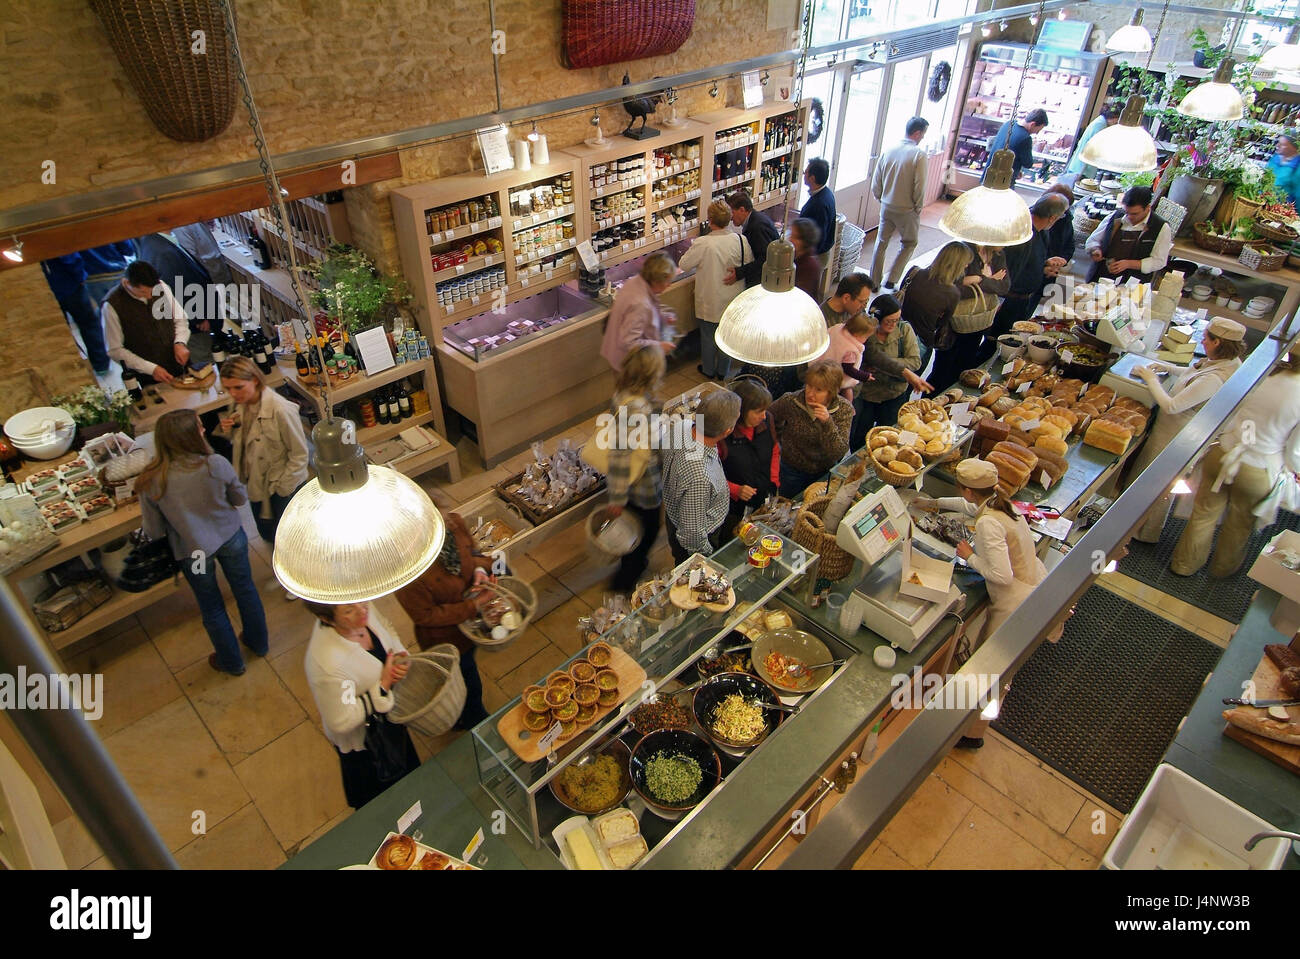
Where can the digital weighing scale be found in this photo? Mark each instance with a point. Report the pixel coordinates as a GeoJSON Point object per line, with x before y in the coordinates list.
{"type": "Point", "coordinates": [873, 530]}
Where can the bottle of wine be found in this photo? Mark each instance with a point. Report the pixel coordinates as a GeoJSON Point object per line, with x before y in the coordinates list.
{"type": "Point", "coordinates": [313, 357]}
{"type": "Point", "coordinates": [261, 252]}
{"type": "Point", "coordinates": [131, 384]}
{"type": "Point", "coordinates": [219, 347]}
{"type": "Point", "coordinates": [264, 363]}
{"type": "Point", "coordinates": [381, 407]}
{"type": "Point", "coordinates": [403, 401]}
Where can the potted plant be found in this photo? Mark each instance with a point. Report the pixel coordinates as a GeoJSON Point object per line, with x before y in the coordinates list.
{"type": "Point", "coordinates": [96, 411]}
{"type": "Point", "coordinates": [1247, 187]}
{"type": "Point", "coordinates": [354, 292]}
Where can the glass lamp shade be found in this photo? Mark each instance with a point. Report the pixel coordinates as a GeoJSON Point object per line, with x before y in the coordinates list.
{"type": "Point", "coordinates": [775, 324]}
{"type": "Point", "coordinates": [356, 532]}
{"type": "Point", "coordinates": [992, 214]}
{"type": "Point", "coordinates": [1285, 58]}
{"type": "Point", "coordinates": [1130, 38]}
{"type": "Point", "coordinates": [1218, 100]}
{"type": "Point", "coordinates": [1124, 147]}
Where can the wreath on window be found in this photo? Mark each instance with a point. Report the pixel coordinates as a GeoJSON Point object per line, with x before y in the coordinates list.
{"type": "Point", "coordinates": [940, 77]}
{"type": "Point", "coordinates": [816, 120]}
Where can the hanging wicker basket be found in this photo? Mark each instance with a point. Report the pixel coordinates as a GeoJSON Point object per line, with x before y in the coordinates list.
{"type": "Point", "coordinates": [600, 32]}
{"type": "Point", "coordinates": [177, 58]}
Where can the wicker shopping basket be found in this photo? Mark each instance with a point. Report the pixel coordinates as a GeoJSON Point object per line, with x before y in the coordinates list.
{"type": "Point", "coordinates": [521, 596]}
{"type": "Point", "coordinates": [431, 696]}
{"type": "Point", "coordinates": [810, 533]}
{"type": "Point", "coordinates": [187, 96]}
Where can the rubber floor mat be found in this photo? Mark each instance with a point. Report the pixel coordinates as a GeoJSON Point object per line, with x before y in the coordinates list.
{"type": "Point", "coordinates": [1225, 598]}
{"type": "Point", "coordinates": [1103, 704]}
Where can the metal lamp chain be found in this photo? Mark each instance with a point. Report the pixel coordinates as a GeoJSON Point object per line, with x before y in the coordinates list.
{"type": "Point", "coordinates": [276, 206]}
{"type": "Point", "coordinates": [805, 42]}
{"type": "Point", "coordinates": [1159, 27]}
{"type": "Point", "coordinates": [1029, 55]}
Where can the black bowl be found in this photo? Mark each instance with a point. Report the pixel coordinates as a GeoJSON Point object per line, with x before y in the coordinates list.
{"type": "Point", "coordinates": [712, 693]}
{"type": "Point", "coordinates": [675, 742]}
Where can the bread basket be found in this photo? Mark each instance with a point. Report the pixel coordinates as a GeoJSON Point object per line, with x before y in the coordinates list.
{"type": "Point", "coordinates": [907, 455]}
{"type": "Point", "coordinates": [812, 535]}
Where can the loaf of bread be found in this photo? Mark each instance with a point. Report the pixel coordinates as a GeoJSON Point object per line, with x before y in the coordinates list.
{"type": "Point", "coordinates": [992, 430]}
{"type": "Point", "coordinates": [992, 396]}
{"type": "Point", "coordinates": [975, 379]}
{"type": "Point", "coordinates": [1108, 436]}
{"type": "Point", "coordinates": [980, 413]}
{"type": "Point", "coordinates": [1022, 453]}
{"type": "Point", "coordinates": [1088, 409]}
{"type": "Point", "coordinates": [1055, 463]}
{"type": "Point", "coordinates": [1010, 470]}
{"type": "Point", "coordinates": [1290, 681]}
{"type": "Point", "coordinates": [1003, 406]}
{"type": "Point", "coordinates": [1020, 438]}
{"type": "Point", "coordinates": [1047, 381]}
{"type": "Point", "coordinates": [1050, 444]}
{"type": "Point", "coordinates": [1064, 424]}
{"type": "Point", "coordinates": [1007, 489]}
{"type": "Point", "coordinates": [1048, 431]}
{"type": "Point", "coordinates": [1100, 396]}
{"type": "Point", "coordinates": [1066, 414]}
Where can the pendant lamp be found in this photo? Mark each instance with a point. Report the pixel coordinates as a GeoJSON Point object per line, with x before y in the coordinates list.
{"type": "Point", "coordinates": [1218, 100]}
{"type": "Point", "coordinates": [356, 532]}
{"type": "Point", "coordinates": [992, 214]}
{"type": "Point", "coordinates": [1284, 58]}
{"type": "Point", "coordinates": [1124, 147]}
{"type": "Point", "coordinates": [775, 324]}
{"type": "Point", "coordinates": [1132, 38]}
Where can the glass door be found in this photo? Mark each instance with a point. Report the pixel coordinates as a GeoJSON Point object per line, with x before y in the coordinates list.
{"type": "Point", "coordinates": [851, 176]}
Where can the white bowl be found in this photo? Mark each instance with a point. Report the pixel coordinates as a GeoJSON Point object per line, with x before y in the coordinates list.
{"type": "Point", "coordinates": [1041, 354]}
{"type": "Point", "coordinates": [1011, 345]}
{"type": "Point", "coordinates": [1234, 304]}
{"type": "Point", "coordinates": [42, 432]}
{"type": "Point", "coordinates": [1221, 300]}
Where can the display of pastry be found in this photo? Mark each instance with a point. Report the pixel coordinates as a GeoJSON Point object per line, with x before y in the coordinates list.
{"type": "Point", "coordinates": [434, 860]}
{"type": "Point", "coordinates": [397, 852]}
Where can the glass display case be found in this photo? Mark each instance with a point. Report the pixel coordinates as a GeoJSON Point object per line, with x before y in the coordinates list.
{"type": "Point", "coordinates": [496, 331]}
{"type": "Point", "coordinates": [664, 650]}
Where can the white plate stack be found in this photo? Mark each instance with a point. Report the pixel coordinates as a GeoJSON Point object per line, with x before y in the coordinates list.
{"type": "Point", "coordinates": [1259, 306]}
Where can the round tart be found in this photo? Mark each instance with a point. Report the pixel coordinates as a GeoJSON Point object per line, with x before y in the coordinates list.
{"type": "Point", "coordinates": [557, 696]}
{"type": "Point", "coordinates": [567, 712]}
{"type": "Point", "coordinates": [560, 679]}
{"type": "Point", "coordinates": [535, 699]}
{"type": "Point", "coordinates": [600, 655]}
{"type": "Point", "coordinates": [586, 714]}
{"type": "Point", "coordinates": [607, 679]}
{"type": "Point", "coordinates": [582, 671]}
{"type": "Point", "coordinates": [586, 694]}
{"type": "Point", "coordinates": [608, 697]}
{"type": "Point", "coordinates": [537, 722]}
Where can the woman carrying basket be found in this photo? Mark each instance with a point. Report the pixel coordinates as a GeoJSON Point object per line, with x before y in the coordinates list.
{"type": "Point", "coordinates": [353, 660]}
{"type": "Point", "coordinates": [446, 595]}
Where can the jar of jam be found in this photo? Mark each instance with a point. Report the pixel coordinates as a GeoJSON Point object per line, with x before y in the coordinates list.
{"type": "Point", "coordinates": [367, 407]}
{"type": "Point", "coordinates": [568, 229]}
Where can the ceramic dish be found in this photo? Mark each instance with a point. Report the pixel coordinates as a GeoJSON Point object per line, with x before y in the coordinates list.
{"type": "Point", "coordinates": [617, 751]}
{"type": "Point", "coordinates": [712, 694]}
{"type": "Point", "coordinates": [673, 743]}
{"type": "Point", "coordinates": [795, 644]}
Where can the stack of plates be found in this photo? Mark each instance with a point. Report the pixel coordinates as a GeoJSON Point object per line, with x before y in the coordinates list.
{"type": "Point", "coordinates": [1259, 306]}
{"type": "Point", "coordinates": [1202, 292]}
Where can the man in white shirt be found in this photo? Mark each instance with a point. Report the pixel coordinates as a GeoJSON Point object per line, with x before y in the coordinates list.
{"type": "Point", "coordinates": [1133, 243]}
{"type": "Point", "coordinates": [899, 184]}
{"type": "Point", "coordinates": [145, 327]}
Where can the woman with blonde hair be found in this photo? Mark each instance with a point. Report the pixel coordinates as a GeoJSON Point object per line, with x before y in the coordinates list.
{"type": "Point", "coordinates": [637, 318]}
{"type": "Point", "coordinates": [812, 426]}
{"type": "Point", "coordinates": [711, 256]}
{"type": "Point", "coordinates": [930, 295]}
{"type": "Point", "coordinates": [191, 495]}
{"type": "Point", "coordinates": [632, 406]}
{"type": "Point", "coordinates": [270, 447]}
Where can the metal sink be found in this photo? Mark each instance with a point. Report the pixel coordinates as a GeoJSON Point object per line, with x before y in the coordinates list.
{"type": "Point", "coordinates": [548, 311]}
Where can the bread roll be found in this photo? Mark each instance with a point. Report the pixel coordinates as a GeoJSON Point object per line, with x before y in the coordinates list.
{"type": "Point", "coordinates": [935, 447]}
{"type": "Point", "coordinates": [1049, 430]}
{"type": "Point", "coordinates": [980, 413]}
{"type": "Point", "coordinates": [992, 395]}
{"type": "Point", "coordinates": [975, 379]}
{"type": "Point", "coordinates": [1004, 406]}
{"type": "Point", "coordinates": [1066, 414]}
{"type": "Point", "coordinates": [1060, 422]}
{"type": "Point", "coordinates": [1050, 444]}
{"type": "Point", "coordinates": [1014, 419]}
{"type": "Point", "coordinates": [898, 466]}
{"type": "Point", "coordinates": [877, 441]}
{"type": "Point", "coordinates": [1108, 436]}
{"type": "Point", "coordinates": [886, 453]}
{"type": "Point", "coordinates": [1016, 450]}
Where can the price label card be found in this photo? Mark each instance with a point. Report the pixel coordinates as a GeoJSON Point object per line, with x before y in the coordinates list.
{"type": "Point", "coordinates": [435, 238]}
{"type": "Point", "coordinates": [640, 243]}
{"type": "Point", "coordinates": [907, 438]}
{"type": "Point", "coordinates": [537, 218]}
{"type": "Point", "coordinates": [1044, 480]}
{"type": "Point", "coordinates": [1067, 356]}
{"type": "Point", "coordinates": [588, 256]}
{"type": "Point", "coordinates": [547, 741]}
{"type": "Point", "coordinates": [753, 91]}
{"type": "Point", "coordinates": [460, 267]}
{"type": "Point", "coordinates": [1006, 370]}
{"type": "Point", "coordinates": [450, 310]}
{"type": "Point", "coordinates": [1029, 425]}
{"type": "Point", "coordinates": [627, 246]}
{"type": "Point", "coordinates": [959, 413]}
{"type": "Point", "coordinates": [409, 817]}
{"type": "Point", "coordinates": [473, 845]}
{"type": "Point", "coordinates": [495, 221]}
{"type": "Point", "coordinates": [474, 299]}
{"type": "Point", "coordinates": [519, 224]}
{"type": "Point", "coordinates": [475, 227]}
{"type": "Point", "coordinates": [1023, 388]}
{"type": "Point", "coordinates": [550, 273]}
{"type": "Point", "coordinates": [523, 281]}
{"type": "Point", "coordinates": [696, 575]}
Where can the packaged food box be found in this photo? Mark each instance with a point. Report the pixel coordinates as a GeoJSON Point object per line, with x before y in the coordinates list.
{"type": "Point", "coordinates": [41, 479]}
{"type": "Point", "coordinates": [616, 826]}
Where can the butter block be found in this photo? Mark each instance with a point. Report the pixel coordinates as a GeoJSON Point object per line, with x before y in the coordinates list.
{"type": "Point", "coordinates": [583, 852]}
{"type": "Point", "coordinates": [1180, 334]}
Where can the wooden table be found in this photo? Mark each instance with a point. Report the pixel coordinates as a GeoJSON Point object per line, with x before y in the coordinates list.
{"type": "Point", "coordinates": [145, 413]}
{"type": "Point", "coordinates": [1286, 279]}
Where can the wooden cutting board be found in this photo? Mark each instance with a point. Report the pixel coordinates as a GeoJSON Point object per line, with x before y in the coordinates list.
{"type": "Point", "coordinates": [199, 383]}
{"type": "Point", "coordinates": [1267, 687]}
{"type": "Point", "coordinates": [523, 741]}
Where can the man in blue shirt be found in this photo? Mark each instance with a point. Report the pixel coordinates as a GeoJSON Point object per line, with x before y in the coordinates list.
{"type": "Point", "coordinates": [820, 207]}
{"type": "Point", "coordinates": [66, 276]}
{"type": "Point", "coordinates": [1019, 139]}
{"type": "Point", "coordinates": [105, 266]}
{"type": "Point", "coordinates": [1108, 116]}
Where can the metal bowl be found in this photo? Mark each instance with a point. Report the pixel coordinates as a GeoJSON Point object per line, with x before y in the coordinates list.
{"type": "Point", "coordinates": [712, 693]}
{"type": "Point", "coordinates": [618, 751]}
{"type": "Point", "coordinates": [799, 644]}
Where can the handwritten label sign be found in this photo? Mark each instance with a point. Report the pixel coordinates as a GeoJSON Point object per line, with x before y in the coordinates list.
{"type": "Point", "coordinates": [547, 741]}
{"type": "Point", "coordinates": [907, 438]}
{"type": "Point", "coordinates": [696, 575]}
{"type": "Point", "coordinates": [1067, 356]}
{"type": "Point", "coordinates": [1044, 480]}
{"type": "Point", "coordinates": [959, 413]}
{"type": "Point", "coordinates": [473, 845]}
{"type": "Point", "coordinates": [1023, 388]}
{"type": "Point", "coordinates": [1029, 425]}
{"type": "Point", "coordinates": [1006, 370]}
{"type": "Point", "coordinates": [752, 87]}
{"type": "Point", "coordinates": [409, 817]}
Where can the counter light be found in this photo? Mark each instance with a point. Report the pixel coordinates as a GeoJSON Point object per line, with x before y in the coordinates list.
{"type": "Point", "coordinates": [1124, 147]}
{"type": "Point", "coordinates": [1217, 101]}
{"type": "Point", "coordinates": [992, 214]}
{"type": "Point", "coordinates": [1131, 38]}
{"type": "Point", "coordinates": [775, 324]}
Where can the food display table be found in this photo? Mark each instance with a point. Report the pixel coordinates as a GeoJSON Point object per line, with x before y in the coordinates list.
{"type": "Point", "coordinates": [161, 398]}
{"type": "Point", "coordinates": [1283, 285]}
{"type": "Point", "coordinates": [1202, 750]}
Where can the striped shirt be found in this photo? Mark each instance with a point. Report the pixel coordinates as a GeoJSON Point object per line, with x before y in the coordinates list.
{"type": "Point", "coordinates": [695, 494]}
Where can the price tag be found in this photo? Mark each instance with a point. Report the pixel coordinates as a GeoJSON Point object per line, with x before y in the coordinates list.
{"type": "Point", "coordinates": [495, 221]}
{"type": "Point", "coordinates": [537, 218]}
{"type": "Point", "coordinates": [550, 273]}
{"type": "Point", "coordinates": [436, 238]}
{"type": "Point", "coordinates": [959, 413]}
{"type": "Point", "coordinates": [475, 227]}
{"type": "Point", "coordinates": [519, 224]}
{"type": "Point", "coordinates": [627, 246]}
{"type": "Point", "coordinates": [640, 243]}
{"type": "Point", "coordinates": [409, 817]}
{"type": "Point", "coordinates": [1067, 356]}
{"type": "Point", "coordinates": [547, 741]}
{"type": "Point", "coordinates": [907, 438]}
{"type": "Point", "coordinates": [1006, 370]}
{"type": "Point", "coordinates": [695, 576]}
{"type": "Point", "coordinates": [460, 267]}
{"type": "Point", "coordinates": [450, 310]}
{"type": "Point", "coordinates": [473, 845]}
{"type": "Point", "coordinates": [474, 299]}
{"type": "Point", "coordinates": [523, 281]}
{"type": "Point", "coordinates": [1044, 480]}
{"type": "Point", "coordinates": [1030, 425]}
{"type": "Point", "coordinates": [1023, 388]}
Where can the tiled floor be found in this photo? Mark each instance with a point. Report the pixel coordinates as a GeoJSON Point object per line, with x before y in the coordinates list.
{"type": "Point", "coordinates": [235, 773]}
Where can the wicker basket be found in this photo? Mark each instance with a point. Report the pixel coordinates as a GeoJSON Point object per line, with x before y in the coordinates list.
{"type": "Point", "coordinates": [1286, 235]}
{"type": "Point", "coordinates": [431, 696]}
{"type": "Point", "coordinates": [1215, 244]}
{"type": "Point", "coordinates": [974, 314]}
{"type": "Point", "coordinates": [600, 32]}
{"type": "Point", "coordinates": [1232, 208]}
{"type": "Point", "coordinates": [1263, 258]}
{"type": "Point", "coordinates": [812, 535]}
{"type": "Point", "coordinates": [900, 479]}
{"type": "Point", "coordinates": [1084, 224]}
{"type": "Point", "coordinates": [188, 97]}
{"type": "Point", "coordinates": [521, 595]}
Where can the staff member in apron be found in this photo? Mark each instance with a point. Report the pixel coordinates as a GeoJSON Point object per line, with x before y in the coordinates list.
{"type": "Point", "coordinates": [1003, 554]}
{"type": "Point", "coordinates": [1224, 347]}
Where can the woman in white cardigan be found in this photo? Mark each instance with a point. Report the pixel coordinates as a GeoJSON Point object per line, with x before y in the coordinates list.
{"type": "Point", "coordinates": [711, 256]}
{"type": "Point", "coordinates": [353, 660]}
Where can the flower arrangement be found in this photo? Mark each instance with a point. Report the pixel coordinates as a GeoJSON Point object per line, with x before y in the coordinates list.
{"type": "Point", "coordinates": [352, 289]}
{"type": "Point", "coordinates": [93, 405]}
